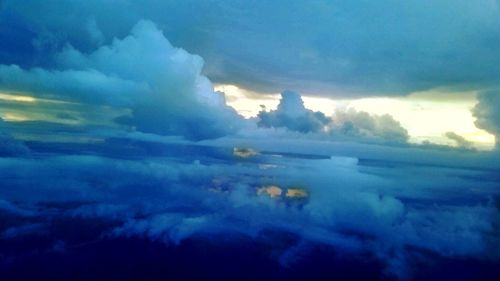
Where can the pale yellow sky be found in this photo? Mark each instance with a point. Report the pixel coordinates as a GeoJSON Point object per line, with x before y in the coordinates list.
{"type": "Point", "coordinates": [426, 115]}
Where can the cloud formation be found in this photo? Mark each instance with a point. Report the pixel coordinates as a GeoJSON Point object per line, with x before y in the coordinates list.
{"type": "Point", "coordinates": [459, 140]}
{"type": "Point", "coordinates": [350, 124]}
{"type": "Point", "coordinates": [87, 182]}
{"type": "Point", "coordinates": [160, 84]}
{"type": "Point", "coordinates": [487, 113]}
{"type": "Point", "coordinates": [352, 205]}
{"type": "Point", "coordinates": [329, 47]}
{"type": "Point", "coordinates": [348, 54]}
{"type": "Point", "coordinates": [360, 124]}
{"type": "Point", "coordinates": [292, 114]}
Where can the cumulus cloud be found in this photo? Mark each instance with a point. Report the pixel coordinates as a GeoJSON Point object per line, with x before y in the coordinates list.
{"type": "Point", "coordinates": [487, 112]}
{"type": "Point", "coordinates": [360, 124]}
{"type": "Point", "coordinates": [160, 84]}
{"type": "Point", "coordinates": [292, 114]}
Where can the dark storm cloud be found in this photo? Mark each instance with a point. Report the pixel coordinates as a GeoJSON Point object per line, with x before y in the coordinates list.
{"type": "Point", "coordinates": [487, 112]}
{"type": "Point", "coordinates": [361, 48]}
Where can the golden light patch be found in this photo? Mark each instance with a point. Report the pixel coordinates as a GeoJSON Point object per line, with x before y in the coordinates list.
{"type": "Point", "coordinates": [17, 98]}
{"type": "Point", "coordinates": [272, 191]}
{"type": "Point", "coordinates": [244, 152]}
{"type": "Point", "coordinates": [12, 117]}
{"type": "Point", "coordinates": [297, 193]}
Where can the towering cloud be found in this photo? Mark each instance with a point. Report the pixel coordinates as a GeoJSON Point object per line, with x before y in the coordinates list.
{"type": "Point", "coordinates": [487, 113]}
{"type": "Point", "coordinates": [160, 84]}
{"type": "Point", "coordinates": [292, 114]}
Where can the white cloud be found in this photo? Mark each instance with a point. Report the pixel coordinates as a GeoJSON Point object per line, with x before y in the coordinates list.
{"type": "Point", "coordinates": [161, 84]}
{"type": "Point", "coordinates": [487, 112]}
{"type": "Point", "coordinates": [292, 114]}
{"type": "Point", "coordinates": [360, 124]}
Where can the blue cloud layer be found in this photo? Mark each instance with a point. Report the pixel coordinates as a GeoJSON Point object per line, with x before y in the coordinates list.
{"type": "Point", "coordinates": [184, 191]}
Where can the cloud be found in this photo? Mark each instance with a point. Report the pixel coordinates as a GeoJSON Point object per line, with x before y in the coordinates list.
{"type": "Point", "coordinates": [349, 124]}
{"type": "Point", "coordinates": [28, 229]}
{"type": "Point", "coordinates": [460, 141]}
{"type": "Point", "coordinates": [336, 48]}
{"type": "Point", "coordinates": [352, 205]}
{"type": "Point", "coordinates": [6, 206]}
{"type": "Point", "coordinates": [8, 145]}
{"type": "Point", "coordinates": [89, 86]}
{"type": "Point", "coordinates": [487, 112]}
{"type": "Point", "coordinates": [98, 61]}
{"type": "Point", "coordinates": [360, 124]}
{"type": "Point", "coordinates": [292, 114]}
{"type": "Point", "coordinates": [160, 84]}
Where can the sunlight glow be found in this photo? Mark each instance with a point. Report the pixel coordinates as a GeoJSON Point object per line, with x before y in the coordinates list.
{"type": "Point", "coordinates": [248, 103]}
{"type": "Point", "coordinates": [17, 98]}
{"type": "Point", "coordinates": [270, 190]}
{"type": "Point", "coordinates": [14, 117]}
{"type": "Point", "coordinates": [427, 116]}
{"type": "Point", "coordinates": [244, 152]}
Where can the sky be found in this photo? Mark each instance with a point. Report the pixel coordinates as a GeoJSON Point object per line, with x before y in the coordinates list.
{"type": "Point", "coordinates": [293, 140]}
{"type": "Point", "coordinates": [426, 115]}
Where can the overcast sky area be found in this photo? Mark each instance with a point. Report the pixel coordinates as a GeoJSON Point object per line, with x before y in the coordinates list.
{"type": "Point", "coordinates": [249, 140]}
